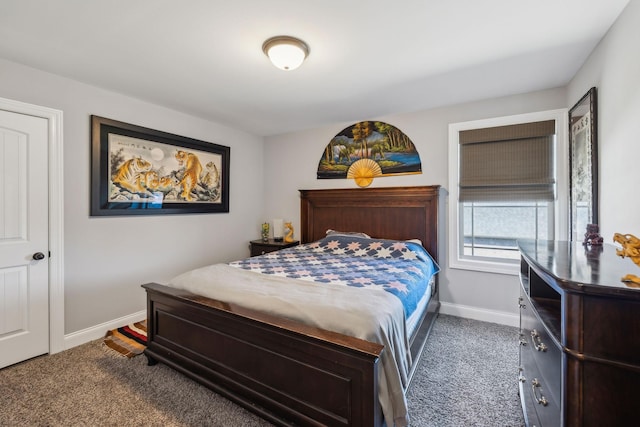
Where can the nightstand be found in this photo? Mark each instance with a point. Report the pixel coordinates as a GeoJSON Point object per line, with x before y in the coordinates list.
{"type": "Point", "coordinates": [259, 247]}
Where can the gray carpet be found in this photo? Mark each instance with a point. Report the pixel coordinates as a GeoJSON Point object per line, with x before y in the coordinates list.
{"type": "Point", "coordinates": [467, 377]}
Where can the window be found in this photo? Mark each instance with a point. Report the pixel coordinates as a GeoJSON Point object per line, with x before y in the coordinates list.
{"type": "Point", "coordinates": [507, 182]}
{"type": "Point", "coordinates": [491, 229]}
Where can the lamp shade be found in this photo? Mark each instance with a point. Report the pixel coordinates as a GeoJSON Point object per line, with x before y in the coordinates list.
{"type": "Point", "coordinates": [285, 52]}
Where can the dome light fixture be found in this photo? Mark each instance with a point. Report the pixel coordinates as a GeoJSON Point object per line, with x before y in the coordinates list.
{"type": "Point", "coordinates": [285, 52]}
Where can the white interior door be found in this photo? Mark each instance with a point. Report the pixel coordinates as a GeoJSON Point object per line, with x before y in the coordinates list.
{"type": "Point", "coordinates": [24, 237]}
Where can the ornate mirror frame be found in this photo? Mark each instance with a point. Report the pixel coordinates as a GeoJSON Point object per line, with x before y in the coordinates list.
{"type": "Point", "coordinates": [583, 165]}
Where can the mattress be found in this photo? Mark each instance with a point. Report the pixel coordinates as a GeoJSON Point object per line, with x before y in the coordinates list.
{"type": "Point", "coordinates": [402, 268]}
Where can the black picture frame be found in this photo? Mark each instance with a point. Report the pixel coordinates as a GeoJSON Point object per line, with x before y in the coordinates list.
{"type": "Point", "coordinates": [583, 165]}
{"type": "Point", "coordinates": [141, 171]}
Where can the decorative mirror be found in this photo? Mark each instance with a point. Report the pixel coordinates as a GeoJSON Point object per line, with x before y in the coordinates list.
{"type": "Point", "coordinates": [583, 165]}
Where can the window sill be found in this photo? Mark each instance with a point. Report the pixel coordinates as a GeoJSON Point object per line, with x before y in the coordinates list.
{"type": "Point", "coordinates": [486, 266]}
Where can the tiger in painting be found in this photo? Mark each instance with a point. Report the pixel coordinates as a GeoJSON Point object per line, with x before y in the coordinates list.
{"type": "Point", "coordinates": [192, 171]}
{"type": "Point", "coordinates": [129, 175]}
{"type": "Point", "coordinates": [211, 176]}
{"type": "Point", "coordinates": [150, 180]}
{"type": "Point", "coordinates": [167, 183]}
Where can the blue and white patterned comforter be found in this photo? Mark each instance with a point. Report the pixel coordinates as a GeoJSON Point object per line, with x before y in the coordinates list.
{"type": "Point", "coordinates": [402, 268]}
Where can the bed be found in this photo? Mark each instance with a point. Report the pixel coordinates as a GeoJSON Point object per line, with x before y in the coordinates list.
{"type": "Point", "coordinates": [286, 371]}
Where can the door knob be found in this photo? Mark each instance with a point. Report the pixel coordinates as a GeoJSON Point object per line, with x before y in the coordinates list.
{"type": "Point", "coordinates": [38, 256]}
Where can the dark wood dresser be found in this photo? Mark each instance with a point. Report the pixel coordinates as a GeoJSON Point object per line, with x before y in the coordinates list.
{"type": "Point", "coordinates": [579, 336]}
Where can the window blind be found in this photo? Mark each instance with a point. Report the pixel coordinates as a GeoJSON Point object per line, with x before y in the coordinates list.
{"type": "Point", "coordinates": [508, 163]}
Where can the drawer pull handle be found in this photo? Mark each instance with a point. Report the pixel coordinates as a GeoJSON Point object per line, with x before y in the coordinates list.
{"type": "Point", "coordinates": [541, 400]}
{"type": "Point", "coordinates": [537, 341]}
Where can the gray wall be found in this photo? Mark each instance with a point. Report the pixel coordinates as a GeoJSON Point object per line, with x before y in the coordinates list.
{"type": "Point", "coordinates": [614, 68]}
{"type": "Point", "coordinates": [106, 259]}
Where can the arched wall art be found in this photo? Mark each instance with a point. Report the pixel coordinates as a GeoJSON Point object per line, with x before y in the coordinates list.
{"type": "Point", "coordinates": [367, 150]}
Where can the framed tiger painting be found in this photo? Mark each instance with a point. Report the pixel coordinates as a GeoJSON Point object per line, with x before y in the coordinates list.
{"type": "Point", "coordinates": [142, 171]}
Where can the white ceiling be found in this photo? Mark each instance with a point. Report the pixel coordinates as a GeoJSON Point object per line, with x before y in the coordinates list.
{"type": "Point", "coordinates": [367, 58]}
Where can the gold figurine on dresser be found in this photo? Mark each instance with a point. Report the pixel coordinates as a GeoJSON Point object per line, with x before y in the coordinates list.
{"type": "Point", "coordinates": [631, 249]}
{"type": "Point", "coordinates": [579, 347]}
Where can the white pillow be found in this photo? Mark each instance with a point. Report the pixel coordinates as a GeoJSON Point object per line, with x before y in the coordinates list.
{"type": "Point", "coordinates": [418, 241]}
{"type": "Point", "coordinates": [331, 232]}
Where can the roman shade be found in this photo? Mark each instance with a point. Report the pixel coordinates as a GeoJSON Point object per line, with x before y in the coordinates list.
{"type": "Point", "coordinates": [508, 163]}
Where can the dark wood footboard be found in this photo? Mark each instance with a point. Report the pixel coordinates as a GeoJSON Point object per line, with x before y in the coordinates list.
{"type": "Point", "coordinates": [288, 373]}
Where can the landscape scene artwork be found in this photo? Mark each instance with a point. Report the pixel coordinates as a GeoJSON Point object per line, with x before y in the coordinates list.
{"type": "Point", "coordinates": [367, 150]}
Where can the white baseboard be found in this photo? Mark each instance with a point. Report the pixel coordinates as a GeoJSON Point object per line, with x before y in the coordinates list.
{"type": "Point", "coordinates": [96, 332]}
{"type": "Point", "coordinates": [475, 313]}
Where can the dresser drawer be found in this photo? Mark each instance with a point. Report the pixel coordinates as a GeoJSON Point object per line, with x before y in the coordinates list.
{"type": "Point", "coordinates": [546, 355]}
{"type": "Point", "coordinates": [536, 392]}
{"type": "Point", "coordinates": [528, 410]}
{"type": "Point", "coordinates": [541, 363]}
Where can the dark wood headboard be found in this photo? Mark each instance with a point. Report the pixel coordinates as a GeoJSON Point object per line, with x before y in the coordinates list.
{"type": "Point", "coordinates": [398, 213]}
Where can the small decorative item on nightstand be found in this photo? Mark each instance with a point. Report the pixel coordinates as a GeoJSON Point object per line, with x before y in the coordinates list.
{"type": "Point", "coordinates": [265, 231]}
{"type": "Point", "coordinates": [289, 236]}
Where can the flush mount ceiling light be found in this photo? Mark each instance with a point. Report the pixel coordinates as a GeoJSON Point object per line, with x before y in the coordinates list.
{"type": "Point", "coordinates": [285, 52]}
